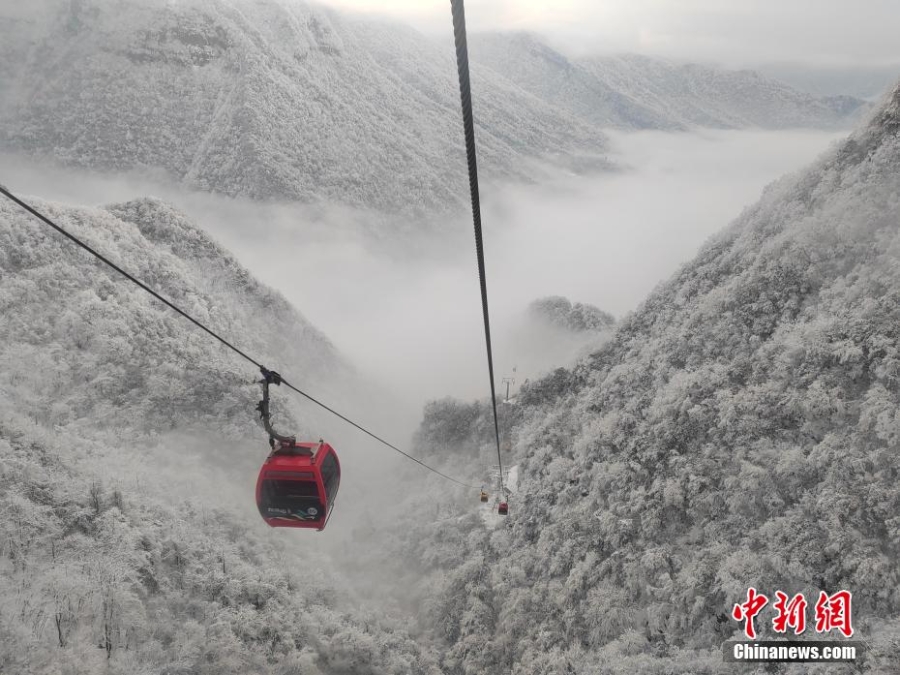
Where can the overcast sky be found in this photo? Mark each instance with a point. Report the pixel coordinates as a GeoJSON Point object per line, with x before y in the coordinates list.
{"type": "Point", "coordinates": [733, 32]}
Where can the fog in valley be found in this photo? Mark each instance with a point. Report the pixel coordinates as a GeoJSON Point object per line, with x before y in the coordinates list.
{"type": "Point", "coordinates": [404, 308]}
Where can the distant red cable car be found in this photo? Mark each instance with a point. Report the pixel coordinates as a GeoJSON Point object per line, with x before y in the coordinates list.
{"type": "Point", "coordinates": [298, 484]}
{"type": "Point", "coordinates": [503, 508]}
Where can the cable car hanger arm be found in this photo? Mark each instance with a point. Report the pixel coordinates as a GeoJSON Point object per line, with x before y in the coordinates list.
{"type": "Point", "coordinates": [271, 377]}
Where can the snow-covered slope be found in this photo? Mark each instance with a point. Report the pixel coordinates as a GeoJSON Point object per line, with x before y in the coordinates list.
{"type": "Point", "coordinates": [67, 319]}
{"type": "Point", "coordinates": [739, 430]}
{"type": "Point", "coordinates": [640, 92]}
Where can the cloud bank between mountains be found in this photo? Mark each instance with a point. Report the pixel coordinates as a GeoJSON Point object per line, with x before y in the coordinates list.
{"type": "Point", "coordinates": [406, 310]}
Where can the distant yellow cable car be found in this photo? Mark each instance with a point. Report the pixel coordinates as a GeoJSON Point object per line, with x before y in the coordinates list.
{"type": "Point", "coordinates": [484, 496]}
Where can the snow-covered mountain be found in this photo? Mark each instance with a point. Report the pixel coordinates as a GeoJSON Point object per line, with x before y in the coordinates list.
{"type": "Point", "coordinates": [740, 429]}
{"type": "Point", "coordinates": [280, 99]}
{"type": "Point", "coordinates": [640, 92]}
{"type": "Point", "coordinates": [129, 540]}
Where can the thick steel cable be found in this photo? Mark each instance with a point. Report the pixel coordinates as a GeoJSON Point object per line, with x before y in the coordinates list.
{"type": "Point", "coordinates": [40, 216]}
{"type": "Point", "coordinates": [465, 93]}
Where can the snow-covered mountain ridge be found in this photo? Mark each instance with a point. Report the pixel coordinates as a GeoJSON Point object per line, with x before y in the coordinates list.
{"type": "Point", "coordinates": [632, 91]}
{"type": "Point", "coordinates": [271, 99]}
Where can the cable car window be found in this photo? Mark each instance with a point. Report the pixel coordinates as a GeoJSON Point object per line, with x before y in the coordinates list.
{"type": "Point", "coordinates": [331, 477]}
{"type": "Point", "coordinates": [286, 489]}
{"type": "Point", "coordinates": [295, 498]}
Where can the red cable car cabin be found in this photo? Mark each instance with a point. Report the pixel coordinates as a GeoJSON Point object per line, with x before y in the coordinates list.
{"type": "Point", "coordinates": [298, 484]}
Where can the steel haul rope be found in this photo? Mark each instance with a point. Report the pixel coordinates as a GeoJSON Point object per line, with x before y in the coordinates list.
{"type": "Point", "coordinates": [465, 92]}
{"type": "Point", "coordinates": [40, 216]}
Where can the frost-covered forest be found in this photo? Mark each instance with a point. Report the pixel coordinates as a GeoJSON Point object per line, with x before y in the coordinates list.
{"type": "Point", "coordinates": [740, 428]}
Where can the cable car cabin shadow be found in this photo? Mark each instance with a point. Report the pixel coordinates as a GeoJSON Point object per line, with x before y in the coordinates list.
{"type": "Point", "coordinates": [298, 484]}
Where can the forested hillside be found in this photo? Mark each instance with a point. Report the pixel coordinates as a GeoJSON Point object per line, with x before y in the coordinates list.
{"type": "Point", "coordinates": [128, 535]}
{"type": "Point", "coordinates": [740, 429]}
